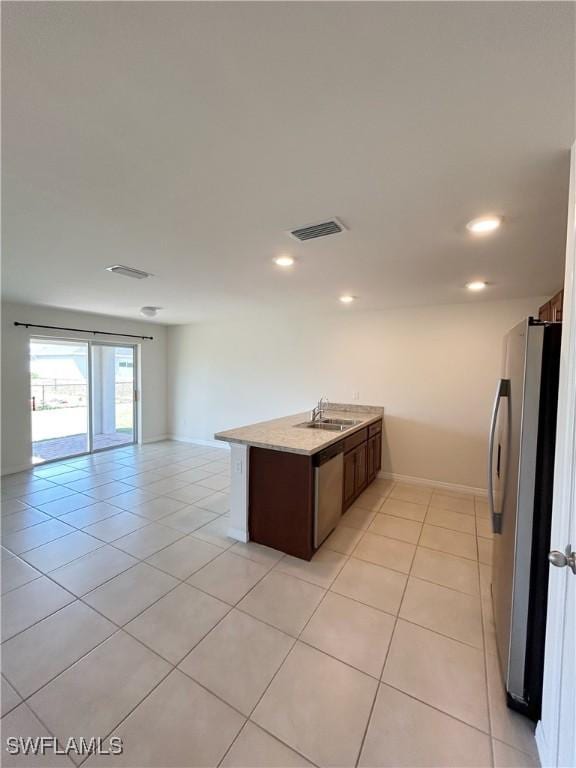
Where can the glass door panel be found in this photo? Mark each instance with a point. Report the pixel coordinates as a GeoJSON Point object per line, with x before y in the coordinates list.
{"type": "Point", "coordinates": [113, 384]}
{"type": "Point", "coordinates": [59, 399]}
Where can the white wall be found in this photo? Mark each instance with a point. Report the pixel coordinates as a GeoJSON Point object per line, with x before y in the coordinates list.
{"type": "Point", "coordinates": [434, 369]}
{"type": "Point", "coordinates": [16, 426]}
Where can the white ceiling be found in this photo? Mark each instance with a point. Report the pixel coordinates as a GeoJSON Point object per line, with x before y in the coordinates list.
{"type": "Point", "coordinates": [186, 138]}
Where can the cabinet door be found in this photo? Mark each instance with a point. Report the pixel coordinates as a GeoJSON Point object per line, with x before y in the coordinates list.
{"type": "Point", "coordinates": [349, 477]}
{"type": "Point", "coordinates": [361, 466]}
{"type": "Point", "coordinates": [378, 453]}
{"type": "Point", "coordinates": [371, 458]}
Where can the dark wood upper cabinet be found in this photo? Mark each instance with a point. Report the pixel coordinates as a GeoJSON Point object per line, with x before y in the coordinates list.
{"type": "Point", "coordinates": [556, 307]}
{"type": "Point", "coordinates": [545, 312]}
{"type": "Point", "coordinates": [551, 312]}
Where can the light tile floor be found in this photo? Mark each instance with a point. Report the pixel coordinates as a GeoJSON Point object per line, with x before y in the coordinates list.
{"type": "Point", "coordinates": [128, 611]}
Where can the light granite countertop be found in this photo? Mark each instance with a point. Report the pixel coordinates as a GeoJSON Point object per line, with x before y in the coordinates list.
{"type": "Point", "coordinates": [284, 435]}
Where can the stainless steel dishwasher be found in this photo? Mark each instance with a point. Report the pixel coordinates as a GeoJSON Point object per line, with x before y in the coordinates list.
{"type": "Point", "coordinates": [328, 489]}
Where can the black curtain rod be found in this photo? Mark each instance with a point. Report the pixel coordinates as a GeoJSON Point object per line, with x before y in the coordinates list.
{"type": "Point", "coordinates": [83, 330]}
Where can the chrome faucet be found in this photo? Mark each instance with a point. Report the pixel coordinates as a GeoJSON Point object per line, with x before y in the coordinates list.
{"type": "Point", "coordinates": [318, 410]}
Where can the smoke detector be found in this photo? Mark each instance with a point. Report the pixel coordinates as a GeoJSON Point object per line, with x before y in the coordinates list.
{"type": "Point", "coordinates": [120, 269]}
{"type": "Point", "coordinates": [312, 231]}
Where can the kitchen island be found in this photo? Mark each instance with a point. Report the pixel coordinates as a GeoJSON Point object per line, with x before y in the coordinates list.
{"type": "Point", "coordinates": [290, 481]}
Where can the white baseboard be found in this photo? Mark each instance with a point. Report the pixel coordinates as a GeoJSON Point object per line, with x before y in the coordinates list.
{"type": "Point", "coordinates": [23, 468]}
{"type": "Point", "coordinates": [155, 439]}
{"type": "Point", "coordinates": [454, 487]}
{"type": "Point", "coordinates": [199, 441]}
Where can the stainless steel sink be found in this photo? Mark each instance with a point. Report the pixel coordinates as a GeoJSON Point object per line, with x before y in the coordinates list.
{"type": "Point", "coordinates": [332, 425]}
{"type": "Point", "coordinates": [342, 422]}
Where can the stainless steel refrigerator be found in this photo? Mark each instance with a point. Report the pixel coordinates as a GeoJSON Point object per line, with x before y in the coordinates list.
{"type": "Point", "coordinates": [520, 483]}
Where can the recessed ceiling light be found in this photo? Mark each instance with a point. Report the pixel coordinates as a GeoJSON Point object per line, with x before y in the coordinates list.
{"type": "Point", "coordinates": [284, 261]}
{"type": "Point", "coordinates": [149, 311]}
{"type": "Point", "coordinates": [347, 299]}
{"type": "Point", "coordinates": [484, 225]}
{"type": "Point", "coordinates": [476, 285]}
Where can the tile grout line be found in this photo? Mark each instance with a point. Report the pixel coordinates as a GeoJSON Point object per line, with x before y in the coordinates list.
{"type": "Point", "coordinates": [176, 666]}
{"type": "Point", "coordinates": [119, 628]}
{"type": "Point", "coordinates": [185, 581]}
{"type": "Point", "coordinates": [432, 706]}
{"type": "Point", "coordinates": [437, 709]}
{"type": "Point", "coordinates": [396, 617]}
{"type": "Point", "coordinates": [97, 459]}
{"type": "Point", "coordinates": [125, 481]}
{"type": "Point", "coordinates": [269, 734]}
{"type": "Point", "coordinates": [141, 701]}
{"type": "Point", "coordinates": [92, 501]}
{"type": "Point", "coordinates": [109, 543]}
{"type": "Point", "coordinates": [80, 598]}
{"type": "Point", "coordinates": [85, 554]}
{"type": "Point", "coordinates": [298, 638]}
{"type": "Point", "coordinates": [35, 714]}
{"type": "Point", "coordinates": [347, 558]}
{"type": "Point", "coordinates": [272, 568]}
{"type": "Point", "coordinates": [295, 639]}
{"type": "Point", "coordinates": [484, 659]}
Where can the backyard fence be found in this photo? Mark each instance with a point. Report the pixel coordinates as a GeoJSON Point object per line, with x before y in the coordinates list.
{"type": "Point", "coordinates": [67, 395]}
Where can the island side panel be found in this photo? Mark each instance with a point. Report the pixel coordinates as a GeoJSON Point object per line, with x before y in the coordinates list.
{"type": "Point", "coordinates": [239, 473]}
{"type": "Point", "coordinates": [281, 501]}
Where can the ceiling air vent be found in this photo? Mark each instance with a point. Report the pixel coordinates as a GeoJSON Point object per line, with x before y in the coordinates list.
{"type": "Point", "coordinates": [137, 274]}
{"type": "Point", "coordinates": [331, 227]}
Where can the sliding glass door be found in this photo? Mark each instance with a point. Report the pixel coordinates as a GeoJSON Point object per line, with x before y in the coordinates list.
{"type": "Point", "coordinates": [59, 398]}
{"type": "Point", "coordinates": [82, 397]}
{"type": "Point", "coordinates": [113, 401]}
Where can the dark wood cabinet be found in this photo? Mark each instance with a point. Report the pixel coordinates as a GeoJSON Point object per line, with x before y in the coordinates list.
{"type": "Point", "coordinates": [371, 459]}
{"type": "Point", "coordinates": [282, 496]}
{"type": "Point", "coordinates": [556, 307]}
{"type": "Point", "coordinates": [355, 473]}
{"type": "Point", "coordinates": [349, 478]}
{"type": "Point", "coordinates": [551, 312]}
{"type": "Point", "coordinates": [356, 439]}
{"type": "Point", "coordinates": [545, 312]}
{"type": "Point", "coordinates": [361, 468]}
{"type": "Point", "coordinates": [374, 450]}
{"type": "Point", "coordinates": [362, 461]}
{"type": "Point", "coordinates": [281, 508]}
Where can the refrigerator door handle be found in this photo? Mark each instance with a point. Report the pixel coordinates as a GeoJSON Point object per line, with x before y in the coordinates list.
{"type": "Point", "coordinates": [502, 391]}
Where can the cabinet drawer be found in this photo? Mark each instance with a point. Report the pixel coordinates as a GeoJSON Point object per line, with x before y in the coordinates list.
{"type": "Point", "coordinates": [356, 439]}
{"type": "Point", "coordinates": [374, 429]}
